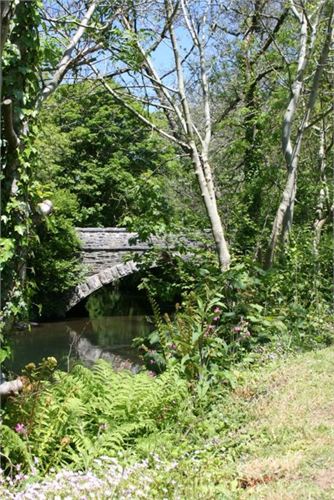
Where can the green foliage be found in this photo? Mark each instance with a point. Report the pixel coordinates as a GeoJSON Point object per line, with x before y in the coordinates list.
{"type": "Point", "coordinates": [115, 167]}
{"type": "Point", "coordinates": [55, 261]}
{"type": "Point", "coordinates": [21, 59]}
{"type": "Point", "coordinates": [237, 316]}
{"type": "Point", "coordinates": [80, 415]}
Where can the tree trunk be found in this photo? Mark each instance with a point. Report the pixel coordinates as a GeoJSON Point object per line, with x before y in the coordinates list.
{"type": "Point", "coordinates": [284, 216]}
{"type": "Point", "coordinates": [208, 194]}
{"type": "Point", "coordinates": [323, 210]}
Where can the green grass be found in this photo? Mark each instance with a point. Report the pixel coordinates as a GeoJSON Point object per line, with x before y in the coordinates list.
{"type": "Point", "coordinates": [272, 437]}
{"type": "Point", "coordinates": [291, 424]}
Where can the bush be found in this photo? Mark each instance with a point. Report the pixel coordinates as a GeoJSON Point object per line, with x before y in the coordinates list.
{"type": "Point", "coordinates": [56, 258]}
{"type": "Point", "coordinates": [233, 317]}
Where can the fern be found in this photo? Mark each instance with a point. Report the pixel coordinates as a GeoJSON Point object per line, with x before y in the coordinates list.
{"type": "Point", "coordinates": [13, 447]}
{"type": "Point", "coordinates": [86, 413]}
{"type": "Point", "coordinates": [160, 326]}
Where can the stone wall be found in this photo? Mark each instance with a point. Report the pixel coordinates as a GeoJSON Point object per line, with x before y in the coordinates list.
{"type": "Point", "coordinates": [107, 254]}
{"type": "Point", "coordinates": [106, 247]}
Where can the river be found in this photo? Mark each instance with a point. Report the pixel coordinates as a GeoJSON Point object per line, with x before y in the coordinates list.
{"type": "Point", "coordinates": [104, 328]}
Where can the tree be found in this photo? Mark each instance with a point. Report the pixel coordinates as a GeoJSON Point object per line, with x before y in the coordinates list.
{"type": "Point", "coordinates": [310, 36]}
{"type": "Point", "coordinates": [191, 131]}
{"type": "Point", "coordinates": [108, 160]}
{"type": "Point", "coordinates": [24, 91]}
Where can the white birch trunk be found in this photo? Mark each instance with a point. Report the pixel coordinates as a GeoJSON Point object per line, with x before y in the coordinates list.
{"type": "Point", "coordinates": [209, 198]}
{"type": "Point", "coordinates": [323, 209]}
{"type": "Point", "coordinates": [284, 215]}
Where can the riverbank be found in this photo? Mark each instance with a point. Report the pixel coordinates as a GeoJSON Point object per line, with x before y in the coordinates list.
{"type": "Point", "coordinates": [272, 436]}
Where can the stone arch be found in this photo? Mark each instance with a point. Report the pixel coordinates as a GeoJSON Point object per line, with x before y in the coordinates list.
{"type": "Point", "coordinates": [98, 280]}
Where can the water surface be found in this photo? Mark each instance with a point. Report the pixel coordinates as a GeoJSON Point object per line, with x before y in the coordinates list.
{"type": "Point", "coordinates": [108, 337]}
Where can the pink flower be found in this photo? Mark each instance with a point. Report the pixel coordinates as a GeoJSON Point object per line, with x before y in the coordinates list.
{"type": "Point", "coordinates": [20, 429]}
{"type": "Point", "coordinates": [216, 318]}
{"type": "Point", "coordinates": [217, 310]}
{"type": "Point", "coordinates": [237, 329]}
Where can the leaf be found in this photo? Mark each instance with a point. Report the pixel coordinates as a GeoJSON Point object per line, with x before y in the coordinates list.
{"type": "Point", "coordinates": [196, 335]}
{"type": "Point", "coordinates": [20, 229]}
{"type": "Point", "coordinates": [257, 307]}
{"type": "Point", "coordinates": [185, 359]}
{"type": "Point", "coordinates": [4, 353]}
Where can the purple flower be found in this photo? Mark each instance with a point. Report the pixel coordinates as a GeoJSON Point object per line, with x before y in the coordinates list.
{"type": "Point", "coordinates": [216, 318]}
{"type": "Point", "coordinates": [237, 329]}
{"type": "Point", "coordinates": [20, 429]}
{"type": "Point", "coordinates": [217, 310]}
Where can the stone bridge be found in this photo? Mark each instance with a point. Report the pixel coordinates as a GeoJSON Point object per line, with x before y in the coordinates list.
{"type": "Point", "coordinates": [103, 252]}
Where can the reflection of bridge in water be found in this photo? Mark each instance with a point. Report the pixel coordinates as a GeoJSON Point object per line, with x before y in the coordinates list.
{"type": "Point", "coordinates": [103, 252]}
{"type": "Point", "coordinates": [88, 353]}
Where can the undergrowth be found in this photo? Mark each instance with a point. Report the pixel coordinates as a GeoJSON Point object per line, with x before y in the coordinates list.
{"type": "Point", "coordinates": [270, 437]}
{"type": "Point", "coordinates": [78, 416]}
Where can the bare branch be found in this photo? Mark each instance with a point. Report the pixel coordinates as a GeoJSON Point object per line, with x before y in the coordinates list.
{"type": "Point", "coordinates": [162, 90]}
{"type": "Point", "coordinates": [272, 34]}
{"type": "Point", "coordinates": [293, 8]}
{"type": "Point", "coordinates": [119, 98]}
{"type": "Point", "coordinates": [66, 60]}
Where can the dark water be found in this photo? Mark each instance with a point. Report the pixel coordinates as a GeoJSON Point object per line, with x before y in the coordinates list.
{"type": "Point", "coordinates": [108, 337]}
{"type": "Point", "coordinates": [104, 327]}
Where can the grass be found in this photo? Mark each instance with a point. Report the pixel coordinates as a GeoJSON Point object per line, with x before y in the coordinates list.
{"type": "Point", "coordinates": [272, 437]}
{"type": "Point", "coordinates": [290, 453]}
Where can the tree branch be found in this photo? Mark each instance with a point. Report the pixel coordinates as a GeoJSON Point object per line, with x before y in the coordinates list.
{"type": "Point", "coordinates": [141, 117]}
{"type": "Point", "coordinates": [67, 56]}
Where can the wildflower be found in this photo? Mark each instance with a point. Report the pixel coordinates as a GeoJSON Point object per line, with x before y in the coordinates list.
{"type": "Point", "coordinates": [237, 329]}
{"type": "Point", "coordinates": [151, 374]}
{"type": "Point", "coordinates": [173, 346]}
{"type": "Point", "coordinates": [217, 310]}
{"type": "Point", "coordinates": [216, 318]}
{"type": "Point", "coordinates": [103, 427]}
{"type": "Point", "coordinates": [246, 333]}
{"type": "Point", "coordinates": [20, 429]}
{"type": "Point", "coordinates": [151, 362]}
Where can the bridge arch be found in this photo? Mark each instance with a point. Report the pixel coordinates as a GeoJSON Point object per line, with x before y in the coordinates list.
{"type": "Point", "coordinates": [103, 251]}
{"type": "Point", "coordinates": [98, 280]}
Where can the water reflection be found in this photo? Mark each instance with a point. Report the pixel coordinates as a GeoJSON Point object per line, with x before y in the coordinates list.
{"type": "Point", "coordinates": [88, 354]}
{"type": "Point", "coordinates": [108, 337]}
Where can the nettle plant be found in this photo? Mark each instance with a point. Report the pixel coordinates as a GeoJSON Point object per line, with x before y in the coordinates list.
{"type": "Point", "coordinates": [224, 321]}
{"type": "Point", "coordinates": [197, 338]}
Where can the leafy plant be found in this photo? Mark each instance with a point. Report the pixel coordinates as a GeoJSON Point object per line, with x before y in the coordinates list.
{"type": "Point", "coordinates": [78, 416]}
